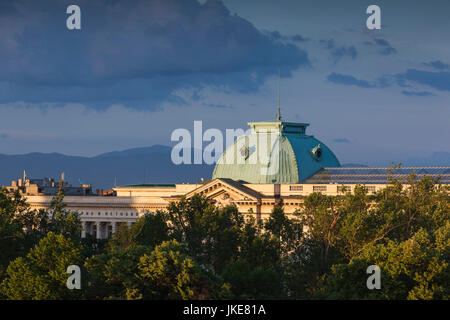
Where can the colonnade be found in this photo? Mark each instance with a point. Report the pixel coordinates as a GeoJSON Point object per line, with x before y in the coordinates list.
{"type": "Point", "coordinates": [101, 229]}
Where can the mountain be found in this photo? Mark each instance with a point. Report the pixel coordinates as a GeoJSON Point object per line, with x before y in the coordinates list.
{"type": "Point", "coordinates": [133, 166]}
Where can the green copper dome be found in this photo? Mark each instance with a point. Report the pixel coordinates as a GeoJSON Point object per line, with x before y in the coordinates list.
{"type": "Point", "coordinates": [274, 152]}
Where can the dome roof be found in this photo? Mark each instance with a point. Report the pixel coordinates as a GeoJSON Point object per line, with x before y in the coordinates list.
{"type": "Point", "coordinates": [274, 152]}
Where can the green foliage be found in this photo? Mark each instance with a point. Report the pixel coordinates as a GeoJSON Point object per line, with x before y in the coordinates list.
{"type": "Point", "coordinates": [211, 235]}
{"type": "Point", "coordinates": [63, 221]}
{"type": "Point", "coordinates": [169, 273]}
{"type": "Point", "coordinates": [149, 230]}
{"type": "Point", "coordinates": [41, 274]}
{"type": "Point", "coordinates": [195, 250]}
{"type": "Point", "coordinates": [253, 283]}
{"type": "Point", "coordinates": [112, 274]}
{"type": "Point", "coordinates": [287, 232]}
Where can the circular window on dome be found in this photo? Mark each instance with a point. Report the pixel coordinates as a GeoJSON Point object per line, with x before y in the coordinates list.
{"type": "Point", "coordinates": [317, 152]}
{"type": "Point", "coordinates": [244, 152]}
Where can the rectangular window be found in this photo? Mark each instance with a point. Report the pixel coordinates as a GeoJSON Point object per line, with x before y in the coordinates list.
{"type": "Point", "coordinates": [342, 189]}
{"type": "Point", "coordinates": [295, 188]}
{"type": "Point", "coordinates": [319, 188]}
{"type": "Point", "coordinates": [371, 188]}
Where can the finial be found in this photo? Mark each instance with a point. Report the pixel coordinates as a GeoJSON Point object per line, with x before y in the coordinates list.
{"type": "Point", "coordinates": [279, 113]}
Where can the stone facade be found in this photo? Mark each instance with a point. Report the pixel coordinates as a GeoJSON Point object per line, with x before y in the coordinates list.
{"type": "Point", "coordinates": [101, 216]}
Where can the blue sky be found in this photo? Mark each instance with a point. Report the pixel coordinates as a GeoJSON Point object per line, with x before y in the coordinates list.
{"type": "Point", "coordinates": [139, 69]}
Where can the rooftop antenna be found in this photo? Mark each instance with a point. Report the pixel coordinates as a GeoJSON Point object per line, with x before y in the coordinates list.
{"type": "Point", "coordinates": [279, 113]}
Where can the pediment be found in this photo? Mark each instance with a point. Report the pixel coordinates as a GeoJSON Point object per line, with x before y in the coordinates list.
{"type": "Point", "coordinates": [222, 190]}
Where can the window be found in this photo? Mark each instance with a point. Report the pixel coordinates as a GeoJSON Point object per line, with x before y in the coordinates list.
{"type": "Point", "coordinates": [371, 189]}
{"type": "Point", "coordinates": [343, 189]}
{"type": "Point", "coordinates": [295, 188]}
{"type": "Point", "coordinates": [319, 188]}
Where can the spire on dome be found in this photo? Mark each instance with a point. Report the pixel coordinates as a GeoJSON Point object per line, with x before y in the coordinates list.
{"type": "Point", "coordinates": [279, 112]}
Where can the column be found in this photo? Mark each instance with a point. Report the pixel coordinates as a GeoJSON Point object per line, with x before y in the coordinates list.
{"type": "Point", "coordinates": [99, 229]}
{"type": "Point", "coordinates": [91, 228]}
{"type": "Point", "coordinates": [83, 229]}
{"type": "Point", "coordinates": [114, 226]}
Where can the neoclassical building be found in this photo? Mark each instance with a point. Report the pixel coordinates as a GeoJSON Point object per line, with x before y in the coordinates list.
{"type": "Point", "coordinates": [293, 164]}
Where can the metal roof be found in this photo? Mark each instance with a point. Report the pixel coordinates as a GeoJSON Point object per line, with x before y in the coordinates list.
{"type": "Point", "coordinates": [376, 175]}
{"type": "Point", "coordinates": [293, 151]}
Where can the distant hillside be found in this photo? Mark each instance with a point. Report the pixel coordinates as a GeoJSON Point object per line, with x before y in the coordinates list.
{"type": "Point", "coordinates": [133, 166]}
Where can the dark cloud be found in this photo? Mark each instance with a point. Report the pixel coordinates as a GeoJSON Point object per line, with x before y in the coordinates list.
{"type": "Point", "coordinates": [4, 136]}
{"type": "Point", "coordinates": [437, 80]}
{"type": "Point", "coordinates": [275, 35]}
{"type": "Point", "coordinates": [439, 65]}
{"type": "Point", "coordinates": [134, 52]}
{"type": "Point", "coordinates": [381, 42]}
{"type": "Point", "coordinates": [348, 80]}
{"type": "Point", "coordinates": [339, 52]}
{"type": "Point", "coordinates": [298, 38]}
{"type": "Point", "coordinates": [416, 93]}
{"type": "Point", "coordinates": [386, 48]}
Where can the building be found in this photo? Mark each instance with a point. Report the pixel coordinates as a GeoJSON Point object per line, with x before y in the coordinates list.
{"type": "Point", "coordinates": [47, 187]}
{"type": "Point", "coordinates": [302, 163]}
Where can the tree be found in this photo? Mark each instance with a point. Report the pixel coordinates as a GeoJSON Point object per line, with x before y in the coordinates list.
{"type": "Point", "coordinates": [253, 283]}
{"type": "Point", "coordinates": [287, 232]}
{"type": "Point", "coordinates": [211, 234]}
{"type": "Point", "coordinates": [20, 227]}
{"type": "Point", "coordinates": [321, 216]}
{"type": "Point", "coordinates": [416, 268]}
{"type": "Point", "coordinates": [149, 230]}
{"type": "Point", "coordinates": [113, 274]}
{"type": "Point", "coordinates": [63, 221]}
{"type": "Point", "coordinates": [41, 274]}
{"type": "Point", "coordinates": [169, 273]}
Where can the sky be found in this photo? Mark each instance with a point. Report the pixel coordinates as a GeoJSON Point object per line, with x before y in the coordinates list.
{"type": "Point", "coordinates": [139, 69]}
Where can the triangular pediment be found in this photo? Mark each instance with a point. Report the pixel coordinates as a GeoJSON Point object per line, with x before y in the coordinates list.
{"type": "Point", "coordinates": [224, 190]}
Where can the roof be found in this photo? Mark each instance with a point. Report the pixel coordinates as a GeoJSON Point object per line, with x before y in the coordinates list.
{"type": "Point", "coordinates": [376, 175]}
{"type": "Point", "coordinates": [147, 185]}
{"type": "Point", "coordinates": [284, 155]}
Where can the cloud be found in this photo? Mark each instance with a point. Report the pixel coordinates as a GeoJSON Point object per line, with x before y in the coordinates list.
{"type": "Point", "coordinates": [416, 93]}
{"type": "Point", "coordinates": [298, 38]}
{"type": "Point", "coordinates": [135, 52]}
{"type": "Point", "coordinates": [348, 80]}
{"type": "Point", "coordinates": [386, 48]}
{"type": "Point", "coordinates": [275, 35]}
{"type": "Point", "coordinates": [339, 52]}
{"type": "Point", "coordinates": [439, 65]}
{"type": "Point", "coordinates": [4, 136]}
{"type": "Point", "coordinates": [437, 80]}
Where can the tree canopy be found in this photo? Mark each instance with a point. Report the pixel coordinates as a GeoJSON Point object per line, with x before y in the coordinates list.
{"type": "Point", "coordinates": [195, 250]}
